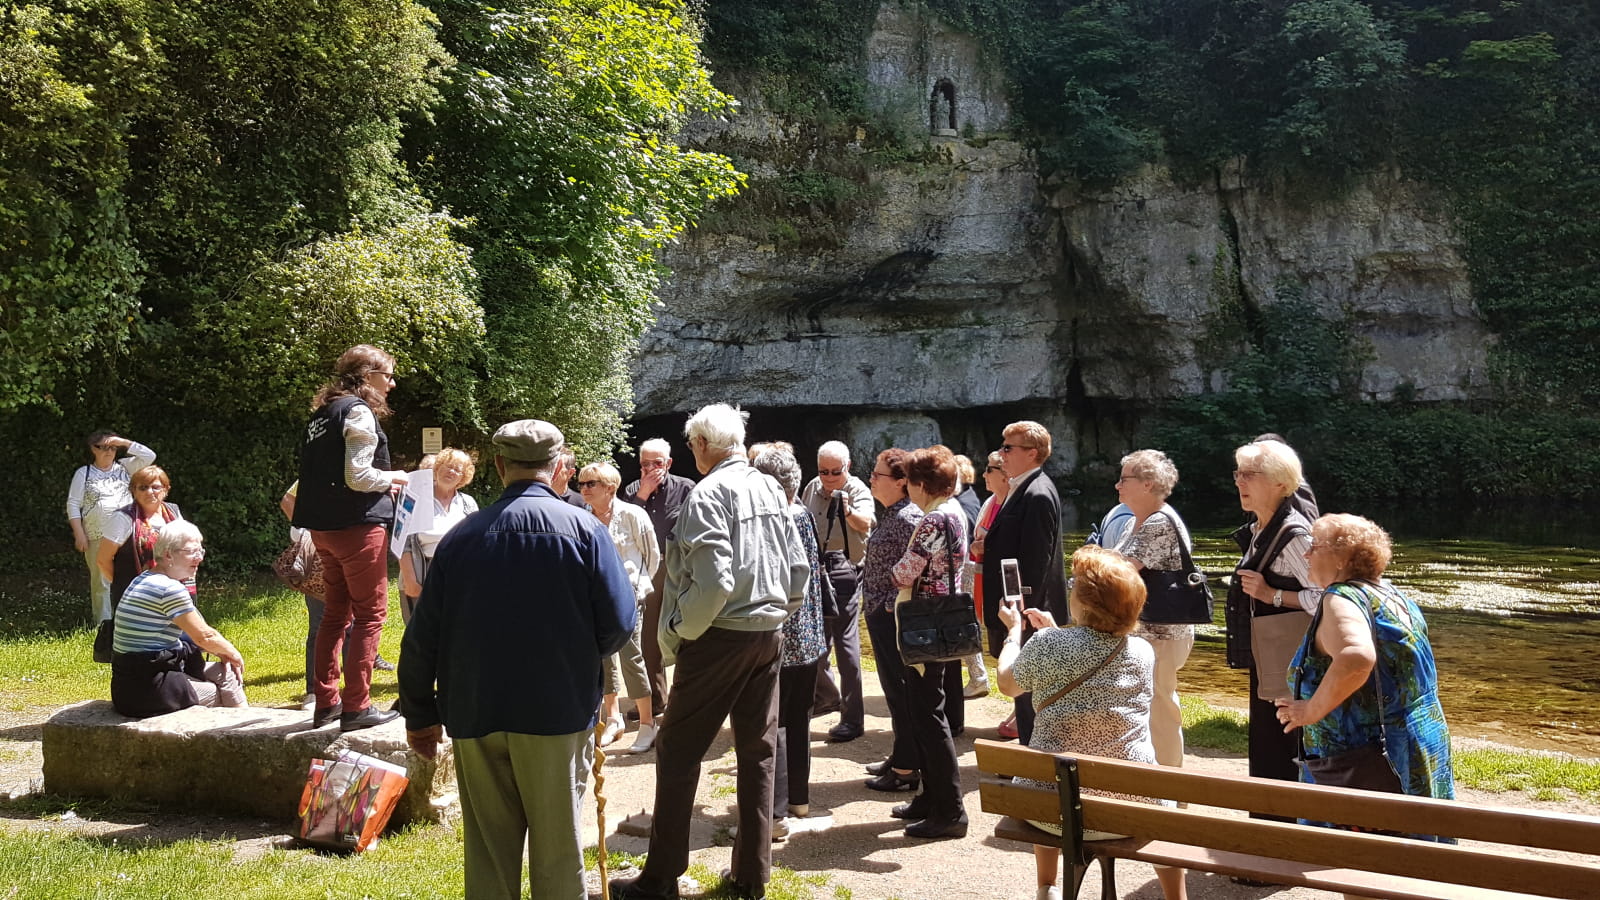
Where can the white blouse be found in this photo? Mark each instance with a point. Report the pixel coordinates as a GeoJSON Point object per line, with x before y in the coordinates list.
{"type": "Point", "coordinates": [635, 538]}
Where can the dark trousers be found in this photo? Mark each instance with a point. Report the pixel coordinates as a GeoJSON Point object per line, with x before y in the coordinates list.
{"type": "Point", "coordinates": [844, 636]}
{"type": "Point", "coordinates": [1272, 753]}
{"type": "Point", "coordinates": [791, 785]}
{"type": "Point", "coordinates": [892, 677]}
{"type": "Point", "coordinates": [1021, 705]}
{"type": "Point", "coordinates": [722, 675]}
{"type": "Point", "coordinates": [650, 643]}
{"type": "Point", "coordinates": [355, 567]}
{"type": "Point", "coordinates": [940, 799]}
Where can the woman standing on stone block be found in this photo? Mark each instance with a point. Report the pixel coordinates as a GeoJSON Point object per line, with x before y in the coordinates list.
{"type": "Point", "coordinates": [160, 638]}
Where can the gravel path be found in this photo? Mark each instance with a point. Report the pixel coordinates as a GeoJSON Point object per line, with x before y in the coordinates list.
{"type": "Point", "coordinates": [850, 841]}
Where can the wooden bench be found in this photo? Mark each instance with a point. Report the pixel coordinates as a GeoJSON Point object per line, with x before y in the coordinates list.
{"type": "Point", "coordinates": [1363, 863]}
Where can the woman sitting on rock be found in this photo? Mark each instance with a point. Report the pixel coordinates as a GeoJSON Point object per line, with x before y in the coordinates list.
{"type": "Point", "coordinates": [161, 639]}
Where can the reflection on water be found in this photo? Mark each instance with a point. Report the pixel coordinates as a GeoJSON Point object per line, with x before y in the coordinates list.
{"type": "Point", "coordinates": [1512, 598]}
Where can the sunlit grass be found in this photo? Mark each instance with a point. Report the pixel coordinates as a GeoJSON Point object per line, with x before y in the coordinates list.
{"type": "Point", "coordinates": [1549, 777]}
{"type": "Point", "coordinates": [1214, 728]}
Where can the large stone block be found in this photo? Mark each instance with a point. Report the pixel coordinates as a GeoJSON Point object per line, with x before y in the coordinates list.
{"type": "Point", "coordinates": [250, 761]}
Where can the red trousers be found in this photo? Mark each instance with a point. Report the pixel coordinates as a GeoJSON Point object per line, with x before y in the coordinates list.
{"type": "Point", "coordinates": [356, 569]}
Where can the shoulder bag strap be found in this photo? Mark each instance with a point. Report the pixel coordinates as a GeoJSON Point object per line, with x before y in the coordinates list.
{"type": "Point", "coordinates": [1076, 682]}
{"type": "Point", "coordinates": [950, 556]}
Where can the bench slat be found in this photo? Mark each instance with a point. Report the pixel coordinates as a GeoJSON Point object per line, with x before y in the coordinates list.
{"type": "Point", "coordinates": [1419, 815]}
{"type": "Point", "coordinates": [1494, 869]}
{"type": "Point", "coordinates": [1278, 871]}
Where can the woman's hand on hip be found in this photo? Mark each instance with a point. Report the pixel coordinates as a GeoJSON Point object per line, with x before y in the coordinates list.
{"type": "Point", "coordinates": [1295, 714]}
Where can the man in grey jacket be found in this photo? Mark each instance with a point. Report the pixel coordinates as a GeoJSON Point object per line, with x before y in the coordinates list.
{"type": "Point", "coordinates": [735, 570]}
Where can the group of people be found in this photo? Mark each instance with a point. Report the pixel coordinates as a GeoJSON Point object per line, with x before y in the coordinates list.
{"type": "Point", "coordinates": [743, 583]}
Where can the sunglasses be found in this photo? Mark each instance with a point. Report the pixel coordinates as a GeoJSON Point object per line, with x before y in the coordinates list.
{"type": "Point", "coordinates": [830, 472]}
{"type": "Point", "coordinates": [1007, 448]}
{"type": "Point", "coordinates": [991, 469]}
{"type": "Point", "coordinates": [585, 485]}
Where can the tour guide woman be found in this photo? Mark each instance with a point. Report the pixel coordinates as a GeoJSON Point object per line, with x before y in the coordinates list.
{"type": "Point", "coordinates": [1365, 693]}
{"type": "Point", "coordinates": [345, 500]}
{"type": "Point", "coordinates": [160, 640]}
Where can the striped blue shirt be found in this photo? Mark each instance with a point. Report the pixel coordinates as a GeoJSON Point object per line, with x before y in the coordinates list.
{"type": "Point", "coordinates": [145, 615]}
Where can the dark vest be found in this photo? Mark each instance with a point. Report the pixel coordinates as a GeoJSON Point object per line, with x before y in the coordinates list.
{"type": "Point", "coordinates": [1288, 521]}
{"type": "Point", "coordinates": [323, 501]}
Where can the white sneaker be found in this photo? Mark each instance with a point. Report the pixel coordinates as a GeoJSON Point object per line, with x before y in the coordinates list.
{"type": "Point", "coordinates": [645, 739]}
{"type": "Point", "coordinates": [1050, 892]}
{"type": "Point", "coordinates": [614, 729]}
{"type": "Point", "coordinates": [976, 689]}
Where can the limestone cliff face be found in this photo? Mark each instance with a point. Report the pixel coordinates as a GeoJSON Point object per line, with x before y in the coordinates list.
{"type": "Point", "coordinates": [965, 288]}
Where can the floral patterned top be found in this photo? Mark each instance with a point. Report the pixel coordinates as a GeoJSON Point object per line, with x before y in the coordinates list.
{"type": "Point", "coordinates": [884, 548]}
{"type": "Point", "coordinates": [936, 552]}
{"type": "Point", "coordinates": [1154, 545]}
{"type": "Point", "coordinates": [1411, 724]}
{"type": "Point", "coordinates": [804, 639]}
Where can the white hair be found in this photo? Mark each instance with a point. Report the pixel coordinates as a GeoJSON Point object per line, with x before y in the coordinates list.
{"type": "Point", "coordinates": [834, 450]}
{"type": "Point", "coordinates": [659, 445]}
{"type": "Point", "coordinates": [173, 536]}
{"type": "Point", "coordinates": [721, 426]}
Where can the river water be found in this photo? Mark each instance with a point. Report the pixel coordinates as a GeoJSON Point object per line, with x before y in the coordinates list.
{"type": "Point", "coordinates": [1512, 598]}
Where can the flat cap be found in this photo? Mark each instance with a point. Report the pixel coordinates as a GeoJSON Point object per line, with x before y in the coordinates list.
{"type": "Point", "coordinates": [529, 441]}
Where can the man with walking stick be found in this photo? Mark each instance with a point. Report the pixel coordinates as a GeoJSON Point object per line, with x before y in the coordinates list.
{"type": "Point", "coordinates": [528, 578]}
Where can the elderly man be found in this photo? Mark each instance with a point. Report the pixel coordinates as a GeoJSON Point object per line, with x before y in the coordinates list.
{"type": "Point", "coordinates": [661, 493]}
{"type": "Point", "coordinates": [561, 477]}
{"type": "Point", "coordinates": [841, 508]}
{"type": "Point", "coordinates": [1027, 529]}
{"type": "Point", "coordinates": [735, 570]}
{"type": "Point", "coordinates": [522, 745]}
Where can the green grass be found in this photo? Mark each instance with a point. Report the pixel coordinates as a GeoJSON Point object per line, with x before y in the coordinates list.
{"type": "Point", "coordinates": [1214, 728]}
{"type": "Point", "coordinates": [420, 863]}
{"type": "Point", "coordinates": [1541, 776]}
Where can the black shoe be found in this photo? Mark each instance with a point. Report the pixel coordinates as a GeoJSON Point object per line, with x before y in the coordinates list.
{"type": "Point", "coordinates": [878, 768]}
{"type": "Point", "coordinates": [844, 733]}
{"type": "Point", "coordinates": [742, 891]}
{"type": "Point", "coordinates": [911, 812]}
{"type": "Point", "coordinates": [366, 718]}
{"type": "Point", "coordinates": [892, 781]}
{"type": "Point", "coordinates": [631, 890]}
{"type": "Point", "coordinates": [322, 715]}
{"type": "Point", "coordinates": [930, 828]}
{"type": "Point", "coordinates": [382, 665]}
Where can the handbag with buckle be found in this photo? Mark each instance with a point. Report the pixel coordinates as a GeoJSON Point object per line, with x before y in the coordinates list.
{"type": "Point", "coordinates": [938, 627]}
{"type": "Point", "coordinates": [1177, 597]}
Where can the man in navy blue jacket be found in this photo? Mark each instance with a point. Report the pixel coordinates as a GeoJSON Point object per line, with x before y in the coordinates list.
{"type": "Point", "coordinates": [528, 578]}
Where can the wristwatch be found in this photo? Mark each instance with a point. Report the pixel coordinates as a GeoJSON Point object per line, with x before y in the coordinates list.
{"type": "Point", "coordinates": [1277, 598]}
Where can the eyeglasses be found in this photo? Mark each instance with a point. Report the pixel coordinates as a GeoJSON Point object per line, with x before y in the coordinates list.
{"type": "Point", "coordinates": [831, 473]}
{"type": "Point", "coordinates": [194, 552]}
{"type": "Point", "coordinates": [105, 446]}
{"type": "Point", "coordinates": [988, 469]}
{"type": "Point", "coordinates": [585, 485]}
{"type": "Point", "coordinates": [1123, 478]}
{"type": "Point", "coordinates": [1007, 448]}
{"type": "Point", "coordinates": [158, 486]}
{"type": "Point", "coordinates": [1246, 474]}
{"type": "Point", "coordinates": [652, 464]}
{"type": "Point", "coordinates": [877, 474]}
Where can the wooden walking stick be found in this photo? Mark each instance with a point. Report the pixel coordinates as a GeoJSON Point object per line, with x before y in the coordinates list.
{"type": "Point", "coordinates": [600, 804]}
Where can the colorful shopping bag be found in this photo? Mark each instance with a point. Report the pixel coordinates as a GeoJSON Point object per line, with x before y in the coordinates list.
{"type": "Point", "coordinates": [348, 800]}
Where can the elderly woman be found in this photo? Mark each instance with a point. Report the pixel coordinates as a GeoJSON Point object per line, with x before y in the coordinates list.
{"type": "Point", "coordinates": [885, 546]}
{"type": "Point", "coordinates": [1152, 541]}
{"type": "Point", "coordinates": [452, 471]}
{"type": "Point", "coordinates": [635, 537]}
{"type": "Point", "coordinates": [932, 564]}
{"type": "Point", "coordinates": [1273, 591]}
{"type": "Point", "coordinates": [128, 545]}
{"type": "Point", "coordinates": [160, 640]}
{"type": "Point", "coordinates": [804, 641]}
{"type": "Point", "coordinates": [345, 499]}
{"type": "Point", "coordinates": [1091, 683]}
{"type": "Point", "coordinates": [1364, 691]}
{"type": "Point", "coordinates": [95, 494]}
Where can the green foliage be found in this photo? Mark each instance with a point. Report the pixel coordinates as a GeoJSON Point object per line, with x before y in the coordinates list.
{"type": "Point", "coordinates": [806, 59]}
{"type": "Point", "coordinates": [70, 79]}
{"type": "Point", "coordinates": [555, 136]}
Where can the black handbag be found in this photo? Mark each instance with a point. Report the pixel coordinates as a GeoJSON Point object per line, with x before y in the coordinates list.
{"type": "Point", "coordinates": [1180, 597]}
{"type": "Point", "coordinates": [839, 575]}
{"type": "Point", "coordinates": [938, 627]}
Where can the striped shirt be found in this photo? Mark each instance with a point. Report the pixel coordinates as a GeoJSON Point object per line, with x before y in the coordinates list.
{"type": "Point", "coordinates": [145, 617]}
